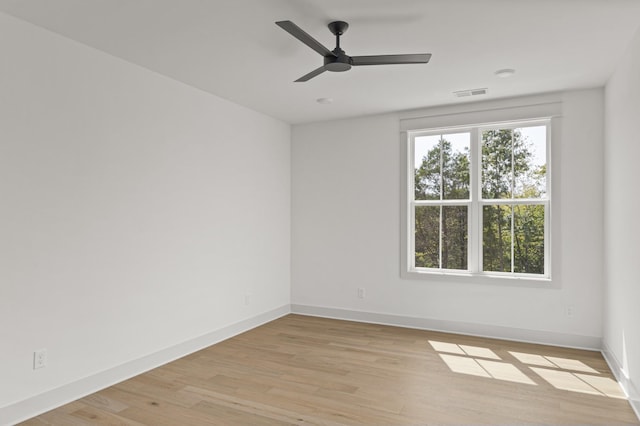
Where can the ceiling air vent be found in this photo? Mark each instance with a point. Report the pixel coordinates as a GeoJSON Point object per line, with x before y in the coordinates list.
{"type": "Point", "coordinates": [470, 92]}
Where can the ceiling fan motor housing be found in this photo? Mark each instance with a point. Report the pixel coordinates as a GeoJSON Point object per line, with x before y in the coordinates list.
{"type": "Point", "coordinates": [338, 63]}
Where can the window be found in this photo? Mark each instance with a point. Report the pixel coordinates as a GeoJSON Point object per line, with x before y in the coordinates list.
{"type": "Point", "coordinates": [478, 200]}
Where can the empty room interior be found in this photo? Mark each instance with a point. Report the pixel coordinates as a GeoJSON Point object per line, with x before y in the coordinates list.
{"type": "Point", "coordinates": [319, 212]}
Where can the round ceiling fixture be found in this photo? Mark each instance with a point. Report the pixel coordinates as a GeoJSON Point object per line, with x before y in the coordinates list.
{"type": "Point", "coordinates": [505, 73]}
{"type": "Point", "coordinates": [324, 101]}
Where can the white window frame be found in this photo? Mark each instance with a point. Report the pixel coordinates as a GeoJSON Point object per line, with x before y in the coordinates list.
{"type": "Point", "coordinates": [475, 205]}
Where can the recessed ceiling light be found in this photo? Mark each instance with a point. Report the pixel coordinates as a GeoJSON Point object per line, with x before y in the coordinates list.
{"type": "Point", "coordinates": [505, 73]}
{"type": "Point", "coordinates": [324, 101]}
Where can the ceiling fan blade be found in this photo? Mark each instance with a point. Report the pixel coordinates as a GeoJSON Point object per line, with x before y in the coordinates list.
{"type": "Point", "coordinates": [298, 33]}
{"type": "Point", "coordinates": [312, 74]}
{"type": "Point", "coordinates": [420, 58]}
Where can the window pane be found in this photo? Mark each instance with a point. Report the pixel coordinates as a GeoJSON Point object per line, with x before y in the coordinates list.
{"type": "Point", "coordinates": [496, 238]}
{"type": "Point", "coordinates": [531, 162]}
{"type": "Point", "coordinates": [427, 236]}
{"type": "Point", "coordinates": [427, 167]}
{"type": "Point", "coordinates": [455, 166]}
{"type": "Point", "coordinates": [528, 246]}
{"type": "Point", "coordinates": [454, 237]}
{"type": "Point", "coordinates": [496, 163]}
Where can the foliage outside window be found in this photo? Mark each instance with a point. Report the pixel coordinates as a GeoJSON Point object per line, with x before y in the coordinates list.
{"type": "Point", "coordinates": [479, 200]}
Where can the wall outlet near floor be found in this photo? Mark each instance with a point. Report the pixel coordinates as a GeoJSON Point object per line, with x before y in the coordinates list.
{"type": "Point", "coordinates": [570, 311]}
{"type": "Point", "coordinates": [247, 299]}
{"type": "Point", "coordinates": [39, 359]}
{"type": "Point", "coordinates": [361, 293]}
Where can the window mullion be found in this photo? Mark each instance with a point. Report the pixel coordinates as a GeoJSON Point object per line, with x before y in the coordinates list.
{"type": "Point", "coordinates": [513, 169]}
{"type": "Point", "coordinates": [440, 239]}
{"type": "Point", "coordinates": [513, 238]}
{"type": "Point", "coordinates": [513, 190]}
{"type": "Point", "coordinates": [475, 224]}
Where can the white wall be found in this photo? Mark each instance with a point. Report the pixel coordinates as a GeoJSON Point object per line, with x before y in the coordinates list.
{"type": "Point", "coordinates": [135, 212]}
{"type": "Point", "coordinates": [621, 225]}
{"type": "Point", "coordinates": [346, 234]}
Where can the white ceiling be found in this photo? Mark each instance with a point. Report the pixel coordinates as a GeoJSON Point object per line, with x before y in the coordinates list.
{"type": "Point", "coordinates": [232, 48]}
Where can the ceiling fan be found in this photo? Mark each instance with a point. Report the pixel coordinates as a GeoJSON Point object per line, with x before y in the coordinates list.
{"type": "Point", "coordinates": [337, 60]}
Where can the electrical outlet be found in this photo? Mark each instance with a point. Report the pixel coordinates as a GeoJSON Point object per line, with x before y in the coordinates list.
{"type": "Point", "coordinates": [247, 299]}
{"type": "Point", "coordinates": [361, 293]}
{"type": "Point", "coordinates": [570, 311]}
{"type": "Point", "coordinates": [39, 359]}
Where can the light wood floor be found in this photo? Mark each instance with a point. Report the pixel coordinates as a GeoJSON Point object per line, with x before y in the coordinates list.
{"type": "Point", "coordinates": [304, 370]}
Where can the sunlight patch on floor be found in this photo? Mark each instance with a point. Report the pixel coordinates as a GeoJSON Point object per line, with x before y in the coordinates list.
{"type": "Point", "coordinates": [505, 371]}
{"type": "Point", "coordinates": [565, 381]}
{"type": "Point", "coordinates": [479, 352]}
{"type": "Point", "coordinates": [485, 368]}
{"type": "Point", "coordinates": [606, 385]}
{"type": "Point", "coordinates": [553, 362]}
{"type": "Point", "coordinates": [532, 359]}
{"type": "Point", "coordinates": [464, 365]}
{"type": "Point", "coordinates": [571, 364]}
{"type": "Point", "coordinates": [561, 373]}
{"type": "Point", "coordinates": [452, 348]}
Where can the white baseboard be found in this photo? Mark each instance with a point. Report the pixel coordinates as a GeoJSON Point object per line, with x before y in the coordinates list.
{"type": "Point", "coordinates": [49, 400]}
{"type": "Point", "coordinates": [482, 330]}
{"type": "Point", "coordinates": [630, 390]}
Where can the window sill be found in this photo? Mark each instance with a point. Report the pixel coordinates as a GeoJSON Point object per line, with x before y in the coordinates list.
{"type": "Point", "coordinates": [479, 278]}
